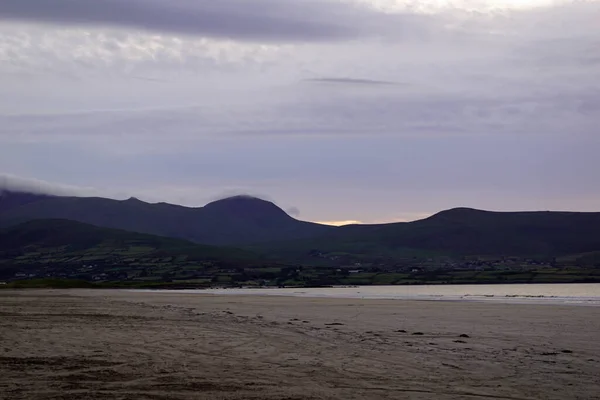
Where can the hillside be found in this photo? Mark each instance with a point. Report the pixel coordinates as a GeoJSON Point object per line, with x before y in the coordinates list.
{"type": "Point", "coordinates": [47, 250]}
{"type": "Point", "coordinates": [457, 232]}
{"type": "Point", "coordinates": [468, 232]}
{"type": "Point", "coordinates": [261, 226]}
{"type": "Point", "coordinates": [233, 221]}
{"type": "Point", "coordinates": [62, 247]}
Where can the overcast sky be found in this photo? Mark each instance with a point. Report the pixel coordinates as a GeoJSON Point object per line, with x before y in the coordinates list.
{"type": "Point", "coordinates": [339, 110]}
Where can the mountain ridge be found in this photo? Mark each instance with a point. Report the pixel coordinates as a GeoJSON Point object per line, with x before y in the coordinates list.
{"type": "Point", "coordinates": [246, 221]}
{"type": "Point", "coordinates": [231, 221]}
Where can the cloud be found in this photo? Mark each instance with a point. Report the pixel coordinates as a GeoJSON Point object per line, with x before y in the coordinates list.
{"type": "Point", "coordinates": [495, 103]}
{"type": "Point", "coordinates": [351, 81]}
{"type": "Point", "coordinates": [248, 192]}
{"type": "Point", "coordinates": [176, 195]}
{"type": "Point", "coordinates": [257, 20]}
{"type": "Point", "coordinates": [239, 192]}
{"type": "Point", "coordinates": [293, 211]}
{"type": "Point", "coordinates": [15, 183]}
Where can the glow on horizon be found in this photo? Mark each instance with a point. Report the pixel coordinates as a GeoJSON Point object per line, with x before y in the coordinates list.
{"type": "Point", "coordinates": [339, 223]}
{"type": "Point", "coordinates": [403, 217]}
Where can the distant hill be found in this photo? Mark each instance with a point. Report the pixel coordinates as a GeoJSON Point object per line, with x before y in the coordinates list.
{"type": "Point", "coordinates": [261, 226]}
{"type": "Point", "coordinates": [460, 232]}
{"type": "Point", "coordinates": [469, 231]}
{"type": "Point", "coordinates": [61, 245]}
{"type": "Point", "coordinates": [233, 221]}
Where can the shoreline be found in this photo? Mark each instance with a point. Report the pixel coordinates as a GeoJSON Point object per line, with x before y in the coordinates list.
{"type": "Point", "coordinates": [547, 301]}
{"type": "Point", "coordinates": [68, 283]}
{"type": "Point", "coordinates": [556, 295]}
{"type": "Point", "coordinates": [573, 294]}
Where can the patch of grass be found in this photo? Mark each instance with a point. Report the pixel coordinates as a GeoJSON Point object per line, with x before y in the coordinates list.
{"type": "Point", "coordinates": [50, 284]}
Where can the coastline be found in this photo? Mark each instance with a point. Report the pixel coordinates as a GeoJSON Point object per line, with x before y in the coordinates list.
{"type": "Point", "coordinates": [561, 294]}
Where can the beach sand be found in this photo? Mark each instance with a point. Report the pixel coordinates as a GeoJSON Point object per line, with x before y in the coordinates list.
{"type": "Point", "coordinates": [109, 344]}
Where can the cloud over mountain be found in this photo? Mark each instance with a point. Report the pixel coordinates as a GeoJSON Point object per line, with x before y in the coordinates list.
{"type": "Point", "coordinates": [262, 20]}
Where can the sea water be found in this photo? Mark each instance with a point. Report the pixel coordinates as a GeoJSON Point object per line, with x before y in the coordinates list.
{"type": "Point", "coordinates": [568, 294]}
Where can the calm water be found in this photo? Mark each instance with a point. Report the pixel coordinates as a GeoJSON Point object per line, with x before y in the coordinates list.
{"type": "Point", "coordinates": [574, 294]}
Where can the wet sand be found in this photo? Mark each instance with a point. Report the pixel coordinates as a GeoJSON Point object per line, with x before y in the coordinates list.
{"type": "Point", "coordinates": [78, 344]}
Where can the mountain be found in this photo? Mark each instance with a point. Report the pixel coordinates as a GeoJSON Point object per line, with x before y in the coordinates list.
{"type": "Point", "coordinates": [262, 226]}
{"type": "Point", "coordinates": [469, 231]}
{"type": "Point", "coordinates": [460, 232]}
{"type": "Point", "coordinates": [233, 221]}
{"type": "Point", "coordinates": [63, 245]}
{"type": "Point", "coordinates": [10, 200]}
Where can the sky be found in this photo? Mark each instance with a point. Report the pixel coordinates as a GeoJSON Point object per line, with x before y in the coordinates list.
{"type": "Point", "coordinates": [339, 111]}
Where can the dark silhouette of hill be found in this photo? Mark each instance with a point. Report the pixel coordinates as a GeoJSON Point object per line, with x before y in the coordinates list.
{"type": "Point", "coordinates": [462, 231]}
{"type": "Point", "coordinates": [469, 231]}
{"type": "Point", "coordinates": [65, 242]}
{"type": "Point", "coordinates": [232, 221]}
{"type": "Point", "coordinates": [10, 200]}
{"type": "Point", "coordinates": [261, 225]}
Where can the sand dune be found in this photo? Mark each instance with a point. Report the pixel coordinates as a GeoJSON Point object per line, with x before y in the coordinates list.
{"type": "Point", "coordinates": [132, 345]}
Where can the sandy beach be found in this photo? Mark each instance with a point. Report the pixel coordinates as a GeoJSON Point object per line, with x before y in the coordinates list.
{"type": "Point", "coordinates": [107, 344]}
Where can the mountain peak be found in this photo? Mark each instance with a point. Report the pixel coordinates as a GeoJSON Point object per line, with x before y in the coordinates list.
{"type": "Point", "coordinates": [134, 200]}
{"type": "Point", "coordinates": [240, 197]}
{"type": "Point", "coordinates": [458, 213]}
{"type": "Point", "coordinates": [461, 210]}
{"type": "Point", "coordinates": [245, 205]}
